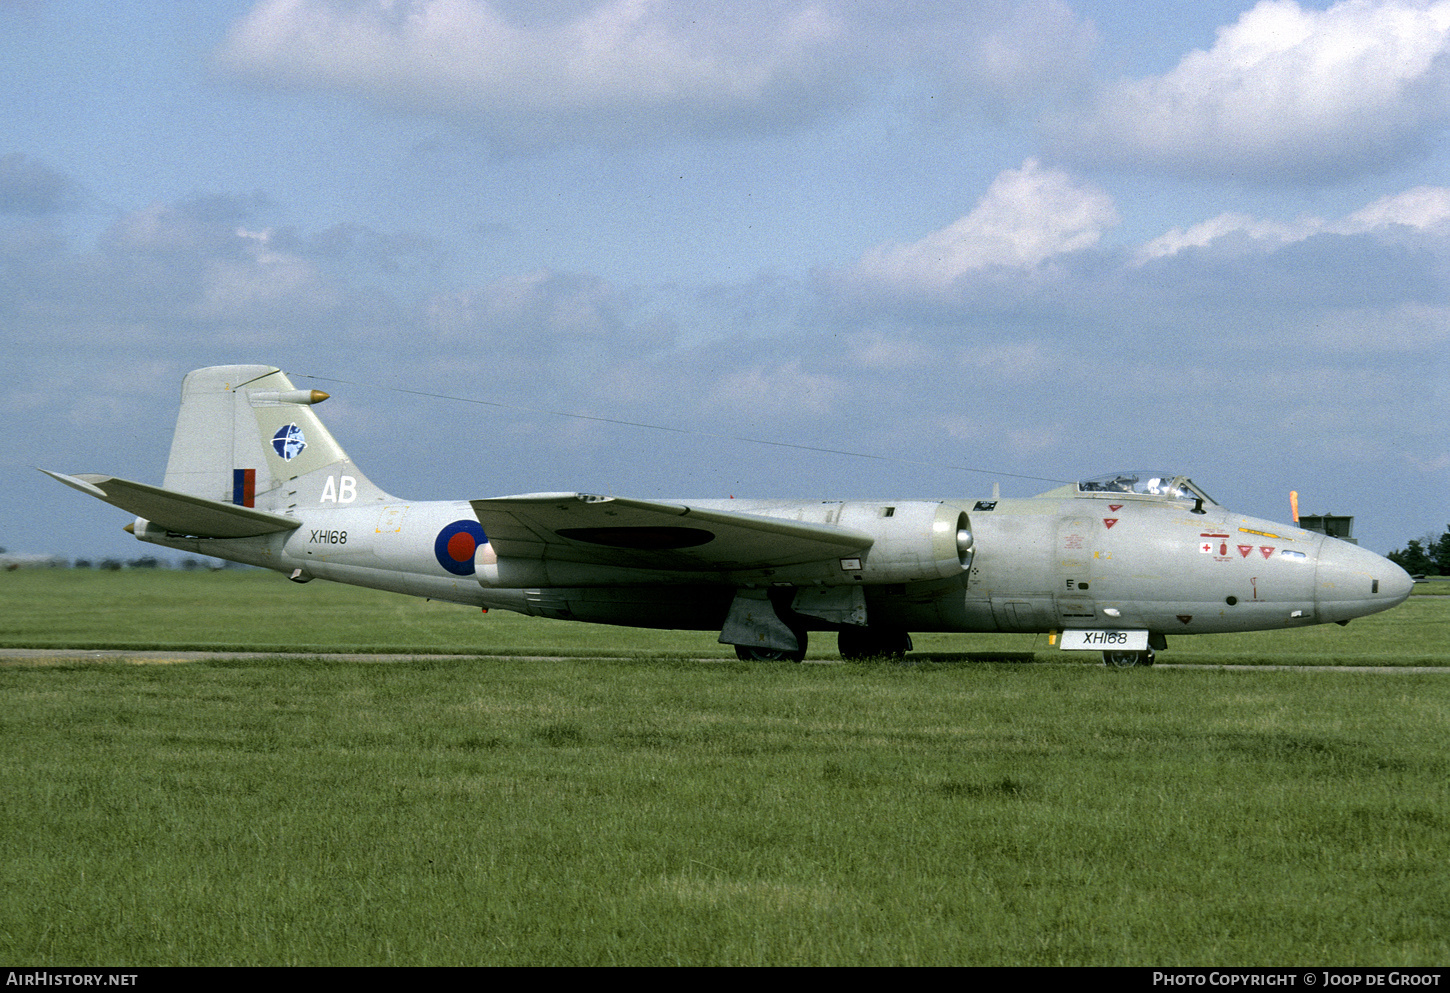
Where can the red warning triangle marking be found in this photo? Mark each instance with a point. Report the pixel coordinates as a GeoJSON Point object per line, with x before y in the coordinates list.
{"type": "Point", "coordinates": [1115, 507]}
{"type": "Point", "coordinates": [1244, 550]}
{"type": "Point", "coordinates": [1185, 618]}
{"type": "Point", "coordinates": [1110, 521]}
{"type": "Point", "coordinates": [1267, 550]}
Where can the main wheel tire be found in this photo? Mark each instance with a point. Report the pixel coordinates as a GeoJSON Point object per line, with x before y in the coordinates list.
{"type": "Point", "coordinates": [752, 653]}
{"type": "Point", "coordinates": [1127, 660]}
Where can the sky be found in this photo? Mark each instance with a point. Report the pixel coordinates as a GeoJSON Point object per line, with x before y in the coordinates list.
{"type": "Point", "coordinates": [769, 249]}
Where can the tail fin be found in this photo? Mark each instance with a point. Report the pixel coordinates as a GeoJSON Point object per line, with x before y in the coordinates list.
{"type": "Point", "coordinates": [247, 436]}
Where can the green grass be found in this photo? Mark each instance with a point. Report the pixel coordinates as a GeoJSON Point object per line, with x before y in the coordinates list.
{"type": "Point", "coordinates": [632, 805]}
{"type": "Point", "coordinates": [671, 812]}
{"type": "Point", "coordinates": [255, 610]}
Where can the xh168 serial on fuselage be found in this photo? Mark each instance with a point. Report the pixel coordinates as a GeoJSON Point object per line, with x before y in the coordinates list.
{"type": "Point", "coordinates": [1114, 564]}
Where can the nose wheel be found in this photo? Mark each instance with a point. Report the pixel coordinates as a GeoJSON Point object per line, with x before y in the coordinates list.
{"type": "Point", "coordinates": [1127, 660]}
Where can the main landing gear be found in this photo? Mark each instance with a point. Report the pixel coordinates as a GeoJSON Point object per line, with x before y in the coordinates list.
{"type": "Point", "coordinates": [751, 653]}
{"type": "Point", "coordinates": [855, 644]}
{"type": "Point", "coordinates": [1127, 660]}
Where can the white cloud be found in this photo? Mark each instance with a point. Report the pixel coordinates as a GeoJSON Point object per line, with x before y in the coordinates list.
{"type": "Point", "coordinates": [1424, 208]}
{"type": "Point", "coordinates": [1224, 225]}
{"type": "Point", "coordinates": [1026, 217]}
{"type": "Point", "coordinates": [1285, 92]}
{"type": "Point", "coordinates": [530, 75]}
{"type": "Point", "coordinates": [609, 71]}
{"type": "Point", "coordinates": [175, 276]}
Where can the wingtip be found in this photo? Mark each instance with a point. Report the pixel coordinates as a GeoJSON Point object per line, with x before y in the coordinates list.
{"type": "Point", "coordinates": [77, 483]}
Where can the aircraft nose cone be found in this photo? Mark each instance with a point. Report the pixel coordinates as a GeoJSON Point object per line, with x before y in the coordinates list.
{"type": "Point", "coordinates": [1352, 582]}
{"type": "Point", "coordinates": [1397, 586]}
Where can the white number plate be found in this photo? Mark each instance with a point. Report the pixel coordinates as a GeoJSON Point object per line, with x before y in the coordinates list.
{"type": "Point", "coordinates": [1099, 641]}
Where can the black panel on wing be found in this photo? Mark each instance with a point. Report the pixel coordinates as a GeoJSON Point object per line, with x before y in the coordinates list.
{"type": "Point", "coordinates": [646, 538]}
{"type": "Point", "coordinates": [569, 527]}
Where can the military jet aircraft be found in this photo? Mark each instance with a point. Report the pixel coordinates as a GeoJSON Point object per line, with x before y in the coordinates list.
{"type": "Point", "coordinates": [1114, 564]}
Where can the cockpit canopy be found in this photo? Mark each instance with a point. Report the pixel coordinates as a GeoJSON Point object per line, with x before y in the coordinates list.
{"type": "Point", "coordinates": [1155, 483]}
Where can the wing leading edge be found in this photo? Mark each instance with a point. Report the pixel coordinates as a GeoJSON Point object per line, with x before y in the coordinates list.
{"type": "Point", "coordinates": [581, 527]}
{"type": "Point", "coordinates": [178, 512]}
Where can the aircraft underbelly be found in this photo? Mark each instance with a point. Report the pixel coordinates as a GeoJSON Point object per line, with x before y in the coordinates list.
{"type": "Point", "coordinates": [680, 608]}
{"type": "Point", "coordinates": [946, 606]}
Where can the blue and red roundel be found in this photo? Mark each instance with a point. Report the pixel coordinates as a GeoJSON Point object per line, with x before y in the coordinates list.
{"type": "Point", "coordinates": [456, 544]}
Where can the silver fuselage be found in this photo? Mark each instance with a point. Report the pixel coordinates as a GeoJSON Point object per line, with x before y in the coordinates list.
{"type": "Point", "coordinates": [1060, 561]}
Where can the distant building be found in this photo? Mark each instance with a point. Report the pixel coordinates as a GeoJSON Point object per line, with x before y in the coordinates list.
{"type": "Point", "coordinates": [1334, 525]}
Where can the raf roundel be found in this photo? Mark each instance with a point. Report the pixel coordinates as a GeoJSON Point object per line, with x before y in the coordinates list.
{"type": "Point", "coordinates": [456, 545]}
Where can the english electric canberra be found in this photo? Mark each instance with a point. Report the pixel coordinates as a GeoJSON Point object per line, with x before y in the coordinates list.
{"type": "Point", "coordinates": [1114, 564]}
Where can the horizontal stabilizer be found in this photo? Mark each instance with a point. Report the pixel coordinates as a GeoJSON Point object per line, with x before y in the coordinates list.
{"type": "Point", "coordinates": [580, 527]}
{"type": "Point", "coordinates": [178, 512]}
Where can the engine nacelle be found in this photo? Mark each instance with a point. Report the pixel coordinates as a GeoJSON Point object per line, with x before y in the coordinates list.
{"type": "Point", "coordinates": [915, 541]}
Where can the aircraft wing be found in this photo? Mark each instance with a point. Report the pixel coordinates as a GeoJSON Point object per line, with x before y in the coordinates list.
{"type": "Point", "coordinates": [178, 512]}
{"type": "Point", "coordinates": [581, 527]}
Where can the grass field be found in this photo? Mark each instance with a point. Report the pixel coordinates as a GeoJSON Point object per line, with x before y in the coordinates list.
{"type": "Point", "coordinates": [632, 805]}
